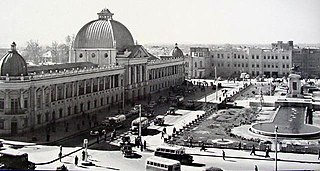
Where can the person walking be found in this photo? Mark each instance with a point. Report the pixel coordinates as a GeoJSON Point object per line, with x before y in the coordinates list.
{"type": "Point", "coordinates": [267, 152]}
{"type": "Point", "coordinates": [255, 168]}
{"type": "Point", "coordinates": [83, 155]}
{"type": "Point", "coordinates": [174, 130]}
{"type": "Point", "coordinates": [318, 154]}
{"type": "Point", "coordinates": [162, 134]}
{"type": "Point", "coordinates": [76, 160]}
{"type": "Point", "coordinates": [239, 146]}
{"type": "Point", "coordinates": [144, 144]}
{"type": "Point", "coordinates": [253, 150]}
{"type": "Point", "coordinates": [60, 156]}
{"type": "Point", "coordinates": [203, 147]}
{"type": "Point", "coordinates": [223, 155]}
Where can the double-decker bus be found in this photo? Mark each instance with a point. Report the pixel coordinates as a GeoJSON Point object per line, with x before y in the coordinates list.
{"type": "Point", "coordinates": [174, 152]}
{"type": "Point", "coordinates": [162, 164]}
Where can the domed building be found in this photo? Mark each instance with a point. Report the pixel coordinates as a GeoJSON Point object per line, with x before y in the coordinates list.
{"type": "Point", "coordinates": [177, 52]}
{"type": "Point", "coordinates": [13, 64]}
{"type": "Point", "coordinates": [99, 40]}
{"type": "Point", "coordinates": [105, 69]}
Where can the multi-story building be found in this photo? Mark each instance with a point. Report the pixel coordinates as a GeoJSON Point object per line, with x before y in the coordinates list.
{"type": "Point", "coordinates": [230, 62]}
{"type": "Point", "coordinates": [282, 46]}
{"type": "Point", "coordinates": [106, 68]}
{"type": "Point", "coordinates": [308, 60]}
{"type": "Point", "coordinates": [197, 65]}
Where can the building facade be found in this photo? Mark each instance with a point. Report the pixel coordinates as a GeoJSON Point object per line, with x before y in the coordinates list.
{"type": "Point", "coordinates": [106, 68]}
{"type": "Point", "coordinates": [308, 60]}
{"type": "Point", "coordinates": [230, 62]}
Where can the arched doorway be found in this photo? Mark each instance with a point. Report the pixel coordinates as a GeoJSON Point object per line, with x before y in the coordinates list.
{"type": "Point", "coordinates": [14, 126]}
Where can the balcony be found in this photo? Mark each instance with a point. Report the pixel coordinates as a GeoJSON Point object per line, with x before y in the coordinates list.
{"type": "Point", "coordinates": [15, 112]}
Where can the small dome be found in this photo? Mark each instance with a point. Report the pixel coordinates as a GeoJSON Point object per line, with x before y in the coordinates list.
{"type": "Point", "coordinates": [13, 63]}
{"type": "Point", "coordinates": [103, 33]}
{"type": "Point", "coordinates": [176, 52]}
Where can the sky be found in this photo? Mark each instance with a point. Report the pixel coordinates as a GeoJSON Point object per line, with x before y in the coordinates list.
{"type": "Point", "coordinates": [165, 21]}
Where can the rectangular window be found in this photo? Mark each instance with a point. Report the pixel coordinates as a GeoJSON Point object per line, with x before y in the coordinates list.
{"type": "Point", "coordinates": [238, 56]}
{"type": "Point", "coordinates": [271, 57]}
{"type": "Point", "coordinates": [282, 57]}
{"type": "Point", "coordinates": [1, 104]}
{"type": "Point", "coordinates": [287, 57]}
{"type": "Point", "coordinates": [1, 123]}
{"type": "Point", "coordinates": [235, 65]}
{"type": "Point", "coordinates": [252, 56]}
{"type": "Point", "coordinates": [283, 66]}
{"type": "Point", "coordinates": [242, 56]}
{"type": "Point", "coordinates": [218, 55]}
{"type": "Point", "coordinates": [252, 65]}
{"type": "Point", "coordinates": [276, 57]}
{"type": "Point", "coordinates": [268, 57]}
{"type": "Point", "coordinates": [294, 85]}
{"type": "Point", "coordinates": [257, 65]}
{"type": "Point", "coordinates": [287, 66]}
{"type": "Point", "coordinates": [235, 55]}
{"type": "Point", "coordinates": [222, 56]}
{"type": "Point", "coordinates": [264, 66]}
{"type": "Point", "coordinates": [257, 56]}
{"type": "Point", "coordinates": [264, 57]}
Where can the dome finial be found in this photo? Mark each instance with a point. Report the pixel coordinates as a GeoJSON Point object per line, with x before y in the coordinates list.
{"type": "Point", "coordinates": [105, 14]}
{"type": "Point", "coordinates": [13, 46]}
{"type": "Point", "coordinates": [176, 44]}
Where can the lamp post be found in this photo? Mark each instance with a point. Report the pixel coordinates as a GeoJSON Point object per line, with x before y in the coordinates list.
{"type": "Point", "coordinates": [139, 105]}
{"type": "Point", "coordinates": [276, 148]}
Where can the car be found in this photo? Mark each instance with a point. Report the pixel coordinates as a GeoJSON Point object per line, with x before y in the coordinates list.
{"type": "Point", "coordinates": [152, 104]}
{"type": "Point", "coordinates": [190, 104]}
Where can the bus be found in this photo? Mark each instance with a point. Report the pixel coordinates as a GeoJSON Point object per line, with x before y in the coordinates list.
{"type": "Point", "coordinates": [174, 152]}
{"type": "Point", "coordinates": [115, 121]}
{"type": "Point", "coordinates": [14, 159]}
{"type": "Point", "coordinates": [135, 124]}
{"type": "Point", "coordinates": [162, 164]}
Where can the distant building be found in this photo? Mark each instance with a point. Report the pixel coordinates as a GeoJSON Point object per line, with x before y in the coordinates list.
{"type": "Point", "coordinates": [282, 46]}
{"type": "Point", "coordinates": [106, 68]}
{"type": "Point", "coordinates": [308, 60]}
{"type": "Point", "coordinates": [230, 62]}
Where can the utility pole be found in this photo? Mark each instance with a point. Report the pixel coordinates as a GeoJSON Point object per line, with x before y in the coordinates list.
{"type": "Point", "coordinates": [276, 150]}
{"type": "Point", "coordinates": [215, 76]}
{"type": "Point", "coordinates": [140, 120]}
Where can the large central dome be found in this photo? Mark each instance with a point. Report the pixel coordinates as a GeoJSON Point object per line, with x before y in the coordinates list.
{"type": "Point", "coordinates": [103, 33]}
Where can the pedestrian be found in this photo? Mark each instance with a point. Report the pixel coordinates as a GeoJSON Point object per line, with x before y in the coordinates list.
{"type": "Point", "coordinates": [162, 134]}
{"type": "Point", "coordinates": [83, 155]}
{"type": "Point", "coordinates": [223, 155]}
{"type": "Point", "coordinates": [190, 142]}
{"type": "Point", "coordinates": [60, 156]}
{"type": "Point", "coordinates": [97, 138]}
{"type": "Point", "coordinates": [267, 152]}
{"type": "Point", "coordinates": [174, 130]}
{"type": "Point", "coordinates": [60, 148]}
{"type": "Point", "coordinates": [255, 168]}
{"type": "Point", "coordinates": [141, 147]}
{"type": "Point", "coordinates": [76, 160]}
{"type": "Point", "coordinates": [253, 150]}
{"type": "Point", "coordinates": [165, 130]}
{"type": "Point", "coordinates": [203, 147]}
{"type": "Point", "coordinates": [144, 144]}
{"type": "Point", "coordinates": [239, 146]}
{"type": "Point", "coordinates": [318, 154]}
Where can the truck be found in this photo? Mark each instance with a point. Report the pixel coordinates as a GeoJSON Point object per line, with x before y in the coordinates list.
{"type": "Point", "coordinates": [136, 122]}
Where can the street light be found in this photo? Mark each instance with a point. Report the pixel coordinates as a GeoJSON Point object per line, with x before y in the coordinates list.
{"type": "Point", "coordinates": [139, 105]}
{"type": "Point", "coordinates": [276, 150]}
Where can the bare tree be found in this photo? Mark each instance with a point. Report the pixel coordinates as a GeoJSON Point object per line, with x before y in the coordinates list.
{"type": "Point", "coordinates": [33, 51]}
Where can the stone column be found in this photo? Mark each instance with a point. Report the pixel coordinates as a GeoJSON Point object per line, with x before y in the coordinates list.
{"type": "Point", "coordinates": [91, 84]}
{"type": "Point", "coordinates": [140, 67]}
{"type": "Point", "coordinates": [21, 99]}
{"type": "Point", "coordinates": [135, 74]}
{"type": "Point", "coordinates": [98, 79]}
{"type": "Point", "coordinates": [73, 88]}
{"type": "Point", "coordinates": [85, 87]}
{"type": "Point", "coordinates": [104, 83]}
{"type": "Point", "coordinates": [56, 91]}
{"type": "Point", "coordinates": [64, 91]}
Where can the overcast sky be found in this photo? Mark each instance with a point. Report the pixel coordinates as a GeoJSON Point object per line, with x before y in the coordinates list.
{"type": "Point", "coordinates": [165, 21]}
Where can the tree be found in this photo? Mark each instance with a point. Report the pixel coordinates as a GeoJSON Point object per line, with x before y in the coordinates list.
{"type": "Point", "coordinates": [33, 51]}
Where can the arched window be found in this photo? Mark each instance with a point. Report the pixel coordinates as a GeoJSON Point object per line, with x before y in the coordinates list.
{"type": "Point", "coordinates": [195, 64]}
{"type": "Point", "coordinates": [81, 55]}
